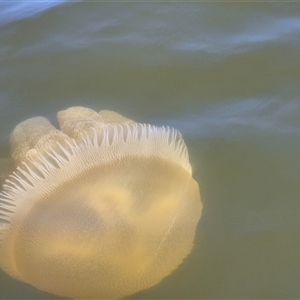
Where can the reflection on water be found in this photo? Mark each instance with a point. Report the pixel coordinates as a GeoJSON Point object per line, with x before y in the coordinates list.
{"type": "Point", "coordinates": [22, 10]}
{"type": "Point", "coordinates": [225, 74]}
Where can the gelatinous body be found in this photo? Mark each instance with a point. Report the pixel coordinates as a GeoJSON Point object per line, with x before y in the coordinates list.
{"type": "Point", "coordinates": [103, 208]}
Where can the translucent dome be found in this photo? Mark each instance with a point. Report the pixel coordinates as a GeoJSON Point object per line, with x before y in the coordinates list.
{"type": "Point", "coordinates": [102, 208]}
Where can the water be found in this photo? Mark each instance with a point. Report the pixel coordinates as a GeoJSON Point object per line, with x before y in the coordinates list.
{"type": "Point", "coordinates": [225, 74]}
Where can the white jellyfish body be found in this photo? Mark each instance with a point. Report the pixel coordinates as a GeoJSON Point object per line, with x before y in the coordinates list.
{"type": "Point", "coordinates": [103, 208]}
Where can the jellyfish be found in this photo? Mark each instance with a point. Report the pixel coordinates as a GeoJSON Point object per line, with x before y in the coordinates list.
{"type": "Point", "coordinates": [104, 207]}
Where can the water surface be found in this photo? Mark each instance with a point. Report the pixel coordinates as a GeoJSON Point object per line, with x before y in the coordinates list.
{"type": "Point", "coordinates": [225, 74]}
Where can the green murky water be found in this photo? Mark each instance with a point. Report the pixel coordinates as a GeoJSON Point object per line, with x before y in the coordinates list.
{"type": "Point", "coordinates": [225, 74]}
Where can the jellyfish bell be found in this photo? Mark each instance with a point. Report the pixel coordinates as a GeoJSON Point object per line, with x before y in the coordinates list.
{"type": "Point", "coordinates": [102, 208]}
